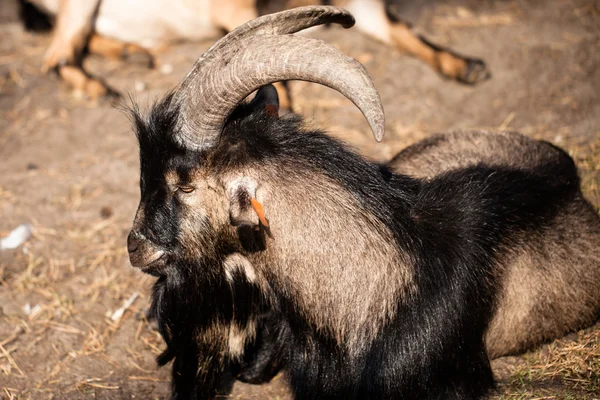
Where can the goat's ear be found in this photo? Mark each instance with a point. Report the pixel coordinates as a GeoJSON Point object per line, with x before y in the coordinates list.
{"type": "Point", "coordinates": [244, 207]}
{"type": "Point", "coordinates": [267, 99]}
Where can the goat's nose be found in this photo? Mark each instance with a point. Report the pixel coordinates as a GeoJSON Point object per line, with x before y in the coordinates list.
{"type": "Point", "coordinates": [132, 243]}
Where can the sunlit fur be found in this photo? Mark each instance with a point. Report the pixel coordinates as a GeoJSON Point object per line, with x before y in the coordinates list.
{"type": "Point", "coordinates": [551, 280]}
{"type": "Point", "coordinates": [379, 285]}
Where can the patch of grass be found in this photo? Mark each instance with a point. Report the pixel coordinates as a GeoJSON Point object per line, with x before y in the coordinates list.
{"type": "Point", "coordinates": [587, 159]}
{"type": "Point", "coordinates": [565, 369]}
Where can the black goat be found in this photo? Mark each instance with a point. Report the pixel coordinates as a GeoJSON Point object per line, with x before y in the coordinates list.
{"type": "Point", "coordinates": [380, 285]}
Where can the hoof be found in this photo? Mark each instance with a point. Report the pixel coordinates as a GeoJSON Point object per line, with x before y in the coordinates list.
{"type": "Point", "coordinates": [98, 91]}
{"type": "Point", "coordinates": [475, 71]}
{"type": "Point", "coordinates": [138, 57]}
{"type": "Point", "coordinates": [85, 85]}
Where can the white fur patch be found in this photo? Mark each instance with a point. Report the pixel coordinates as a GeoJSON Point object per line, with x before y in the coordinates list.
{"type": "Point", "coordinates": [370, 18]}
{"type": "Point", "coordinates": [237, 262]}
{"type": "Point", "coordinates": [155, 24]}
{"type": "Point", "coordinates": [238, 338]}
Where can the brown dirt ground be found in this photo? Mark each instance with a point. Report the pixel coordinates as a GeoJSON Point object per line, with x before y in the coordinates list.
{"type": "Point", "coordinates": [70, 167]}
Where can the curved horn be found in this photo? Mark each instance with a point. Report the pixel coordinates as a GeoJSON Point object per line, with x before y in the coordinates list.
{"type": "Point", "coordinates": [209, 94]}
{"type": "Point", "coordinates": [281, 23]}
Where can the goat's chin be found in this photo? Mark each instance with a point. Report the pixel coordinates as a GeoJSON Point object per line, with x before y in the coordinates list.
{"type": "Point", "coordinates": [156, 267]}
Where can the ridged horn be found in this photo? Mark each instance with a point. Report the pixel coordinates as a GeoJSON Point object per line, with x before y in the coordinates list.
{"type": "Point", "coordinates": [262, 52]}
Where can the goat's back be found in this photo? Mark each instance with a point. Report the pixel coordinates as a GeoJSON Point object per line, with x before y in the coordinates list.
{"type": "Point", "coordinates": [551, 279]}
{"type": "Point", "coordinates": [449, 151]}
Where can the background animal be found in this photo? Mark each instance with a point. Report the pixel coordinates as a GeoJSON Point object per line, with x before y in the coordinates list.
{"type": "Point", "coordinates": [387, 285]}
{"type": "Point", "coordinates": [137, 28]}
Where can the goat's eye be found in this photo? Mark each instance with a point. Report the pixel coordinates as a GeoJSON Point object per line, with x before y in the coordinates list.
{"type": "Point", "coordinates": [186, 189]}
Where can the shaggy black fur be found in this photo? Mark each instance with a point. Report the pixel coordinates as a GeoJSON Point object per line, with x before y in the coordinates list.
{"type": "Point", "coordinates": [451, 228]}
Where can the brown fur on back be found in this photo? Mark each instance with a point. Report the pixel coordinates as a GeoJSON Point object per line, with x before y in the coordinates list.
{"type": "Point", "coordinates": [551, 281]}
{"type": "Point", "coordinates": [448, 151]}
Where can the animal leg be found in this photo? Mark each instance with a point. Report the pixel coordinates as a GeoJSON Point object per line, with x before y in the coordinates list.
{"type": "Point", "coordinates": [285, 98]}
{"type": "Point", "coordinates": [373, 19]}
{"type": "Point", "coordinates": [74, 24]}
{"type": "Point", "coordinates": [112, 48]}
{"type": "Point", "coordinates": [444, 61]}
{"type": "Point", "coordinates": [77, 78]}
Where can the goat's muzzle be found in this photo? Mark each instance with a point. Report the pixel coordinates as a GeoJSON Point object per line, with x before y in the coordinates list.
{"type": "Point", "coordinates": [145, 255]}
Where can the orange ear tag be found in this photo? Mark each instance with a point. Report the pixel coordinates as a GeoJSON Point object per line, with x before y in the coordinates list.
{"type": "Point", "coordinates": [258, 209]}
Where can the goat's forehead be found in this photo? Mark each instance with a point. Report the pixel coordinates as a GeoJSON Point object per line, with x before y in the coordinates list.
{"type": "Point", "coordinates": [164, 157]}
{"type": "Point", "coordinates": [186, 174]}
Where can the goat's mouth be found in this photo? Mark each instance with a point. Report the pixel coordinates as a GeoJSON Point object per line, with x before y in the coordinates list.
{"type": "Point", "coordinates": [152, 264]}
{"type": "Point", "coordinates": [156, 266]}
